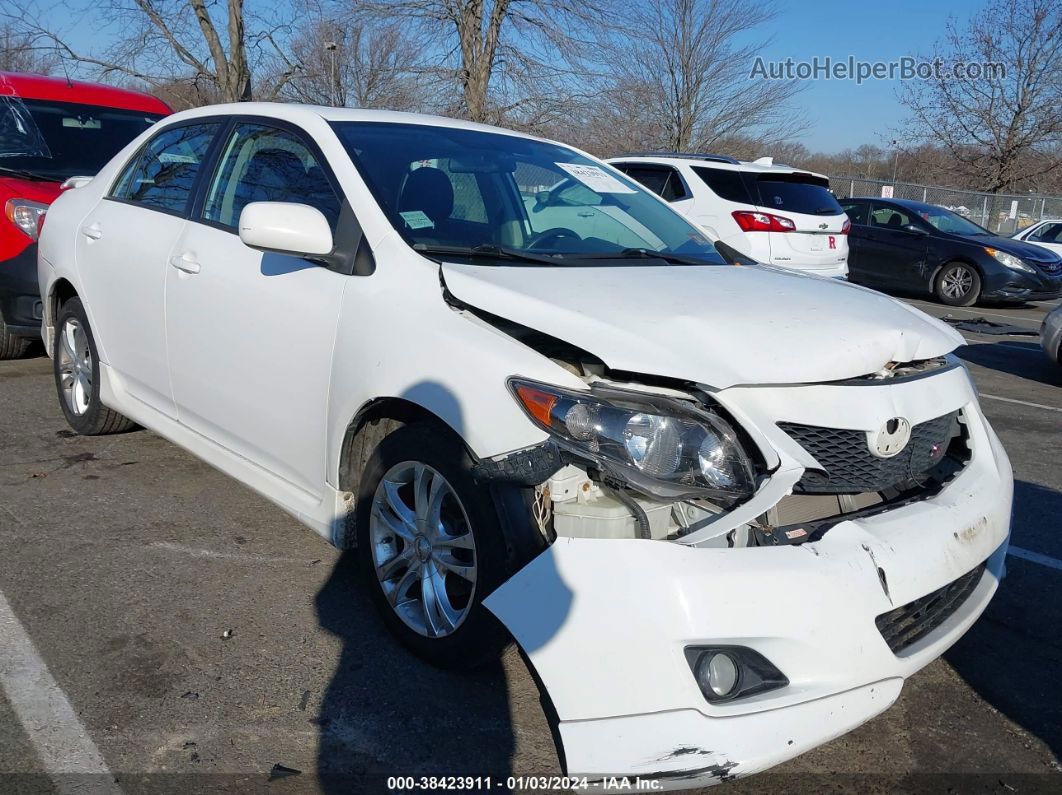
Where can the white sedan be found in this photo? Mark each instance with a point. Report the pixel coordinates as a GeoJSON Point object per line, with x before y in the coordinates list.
{"type": "Point", "coordinates": [1046, 233]}
{"type": "Point", "coordinates": [726, 511]}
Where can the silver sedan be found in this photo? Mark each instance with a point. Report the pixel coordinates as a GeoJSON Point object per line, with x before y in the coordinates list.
{"type": "Point", "coordinates": [1051, 334]}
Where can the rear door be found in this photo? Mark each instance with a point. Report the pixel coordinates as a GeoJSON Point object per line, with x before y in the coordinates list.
{"type": "Point", "coordinates": [122, 249]}
{"type": "Point", "coordinates": [817, 242]}
{"type": "Point", "coordinates": [894, 255]}
{"type": "Point", "coordinates": [251, 334]}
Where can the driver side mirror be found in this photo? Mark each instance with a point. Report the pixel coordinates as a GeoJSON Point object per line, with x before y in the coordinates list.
{"type": "Point", "coordinates": [286, 228]}
{"type": "Point", "coordinates": [914, 229]}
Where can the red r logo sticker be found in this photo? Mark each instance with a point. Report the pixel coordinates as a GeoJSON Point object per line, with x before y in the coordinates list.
{"type": "Point", "coordinates": [833, 242]}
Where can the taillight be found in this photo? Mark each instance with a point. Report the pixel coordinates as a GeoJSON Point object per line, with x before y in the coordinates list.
{"type": "Point", "coordinates": [27, 215]}
{"type": "Point", "coordinates": [846, 226]}
{"type": "Point", "coordinates": [762, 222]}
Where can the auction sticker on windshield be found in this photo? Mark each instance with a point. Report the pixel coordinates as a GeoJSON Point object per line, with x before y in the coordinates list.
{"type": "Point", "coordinates": [596, 179]}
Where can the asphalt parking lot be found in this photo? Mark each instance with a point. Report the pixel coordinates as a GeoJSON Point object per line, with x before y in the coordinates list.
{"type": "Point", "coordinates": [197, 636]}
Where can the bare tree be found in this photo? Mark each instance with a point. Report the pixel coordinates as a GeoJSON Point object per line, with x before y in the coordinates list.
{"type": "Point", "coordinates": [682, 78]}
{"type": "Point", "coordinates": [995, 127]}
{"type": "Point", "coordinates": [19, 54]}
{"type": "Point", "coordinates": [512, 60]}
{"type": "Point", "coordinates": [354, 64]}
{"type": "Point", "coordinates": [167, 42]}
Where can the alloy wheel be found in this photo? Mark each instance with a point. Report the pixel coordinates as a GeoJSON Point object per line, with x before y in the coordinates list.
{"type": "Point", "coordinates": [75, 366]}
{"type": "Point", "coordinates": [956, 282]}
{"type": "Point", "coordinates": [423, 549]}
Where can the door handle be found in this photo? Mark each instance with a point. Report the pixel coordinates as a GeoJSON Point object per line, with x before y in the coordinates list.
{"type": "Point", "coordinates": [185, 262]}
{"type": "Point", "coordinates": [92, 231]}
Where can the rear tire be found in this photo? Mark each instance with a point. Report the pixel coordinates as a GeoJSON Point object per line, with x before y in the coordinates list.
{"type": "Point", "coordinates": [431, 547]}
{"type": "Point", "coordinates": [958, 284]}
{"type": "Point", "coordinates": [76, 365]}
{"type": "Point", "coordinates": [11, 347]}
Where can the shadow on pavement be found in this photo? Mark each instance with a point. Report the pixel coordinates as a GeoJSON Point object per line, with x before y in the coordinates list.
{"type": "Point", "coordinates": [426, 721]}
{"type": "Point", "coordinates": [1030, 362]}
{"type": "Point", "coordinates": [1012, 657]}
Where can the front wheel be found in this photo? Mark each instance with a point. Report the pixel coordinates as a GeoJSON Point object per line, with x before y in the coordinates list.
{"type": "Point", "coordinates": [432, 547]}
{"type": "Point", "coordinates": [77, 375]}
{"type": "Point", "coordinates": [958, 284]}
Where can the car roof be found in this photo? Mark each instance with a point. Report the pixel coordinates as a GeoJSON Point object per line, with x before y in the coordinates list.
{"type": "Point", "coordinates": [909, 204]}
{"type": "Point", "coordinates": [296, 112]}
{"type": "Point", "coordinates": [713, 161]}
{"type": "Point", "coordinates": [61, 89]}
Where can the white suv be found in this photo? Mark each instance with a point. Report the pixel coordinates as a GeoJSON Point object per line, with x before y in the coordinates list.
{"type": "Point", "coordinates": [772, 213]}
{"type": "Point", "coordinates": [724, 510]}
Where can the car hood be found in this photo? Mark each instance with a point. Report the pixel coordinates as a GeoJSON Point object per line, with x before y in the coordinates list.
{"type": "Point", "coordinates": [1018, 248]}
{"type": "Point", "coordinates": [714, 325]}
{"type": "Point", "coordinates": [35, 190]}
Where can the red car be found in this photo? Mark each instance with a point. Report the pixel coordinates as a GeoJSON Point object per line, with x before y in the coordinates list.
{"type": "Point", "coordinates": [51, 129]}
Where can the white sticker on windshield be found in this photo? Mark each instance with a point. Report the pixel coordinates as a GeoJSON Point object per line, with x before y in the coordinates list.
{"type": "Point", "coordinates": [416, 219]}
{"type": "Point", "coordinates": [598, 180]}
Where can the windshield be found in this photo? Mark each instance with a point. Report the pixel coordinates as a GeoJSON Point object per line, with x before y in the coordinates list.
{"type": "Point", "coordinates": [55, 140]}
{"type": "Point", "coordinates": [796, 194]}
{"type": "Point", "coordinates": [467, 191]}
{"type": "Point", "coordinates": [953, 223]}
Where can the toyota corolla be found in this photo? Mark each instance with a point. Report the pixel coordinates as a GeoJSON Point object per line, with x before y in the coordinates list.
{"type": "Point", "coordinates": [725, 510]}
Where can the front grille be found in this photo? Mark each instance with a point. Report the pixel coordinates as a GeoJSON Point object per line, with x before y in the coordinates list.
{"type": "Point", "coordinates": [1050, 267]}
{"type": "Point", "coordinates": [848, 466]}
{"type": "Point", "coordinates": [905, 625]}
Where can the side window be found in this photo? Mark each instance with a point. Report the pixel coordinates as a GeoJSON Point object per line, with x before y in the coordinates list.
{"type": "Point", "coordinates": [162, 174]}
{"type": "Point", "coordinates": [1048, 233]}
{"type": "Point", "coordinates": [266, 164]}
{"type": "Point", "coordinates": [661, 180]}
{"type": "Point", "coordinates": [857, 213]}
{"type": "Point", "coordinates": [725, 184]}
{"type": "Point", "coordinates": [889, 217]}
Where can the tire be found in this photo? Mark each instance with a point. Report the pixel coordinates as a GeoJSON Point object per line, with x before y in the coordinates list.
{"type": "Point", "coordinates": [11, 347]}
{"type": "Point", "coordinates": [401, 557]}
{"type": "Point", "coordinates": [957, 284]}
{"type": "Point", "coordinates": [76, 365]}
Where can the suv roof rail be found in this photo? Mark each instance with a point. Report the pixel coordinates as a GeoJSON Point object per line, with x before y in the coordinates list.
{"type": "Point", "coordinates": [687, 155]}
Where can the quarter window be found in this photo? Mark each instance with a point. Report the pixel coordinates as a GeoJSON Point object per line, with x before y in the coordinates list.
{"type": "Point", "coordinates": [266, 164]}
{"type": "Point", "coordinates": [163, 173]}
{"type": "Point", "coordinates": [725, 183]}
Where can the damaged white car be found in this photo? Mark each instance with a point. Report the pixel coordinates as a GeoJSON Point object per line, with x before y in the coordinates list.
{"type": "Point", "coordinates": [725, 510]}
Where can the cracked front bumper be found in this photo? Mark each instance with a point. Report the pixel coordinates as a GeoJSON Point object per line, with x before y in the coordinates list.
{"type": "Point", "coordinates": [605, 624]}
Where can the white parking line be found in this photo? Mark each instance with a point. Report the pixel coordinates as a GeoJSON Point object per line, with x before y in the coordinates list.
{"type": "Point", "coordinates": [1035, 557]}
{"type": "Point", "coordinates": [63, 746]}
{"type": "Point", "coordinates": [1022, 402]}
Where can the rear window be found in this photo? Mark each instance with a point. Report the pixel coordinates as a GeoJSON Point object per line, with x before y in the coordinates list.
{"type": "Point", "coordinates": [725, 184]}
{"type": "Point", "coordinates": [796, 193]}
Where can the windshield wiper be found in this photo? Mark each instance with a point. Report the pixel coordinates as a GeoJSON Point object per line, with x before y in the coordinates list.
{"type": "Point", "coordinates": [491, 251]}
{"type": "Point", "coordinates": [22, 173]}
{"type": "Point", "coordinates": [643, 253]}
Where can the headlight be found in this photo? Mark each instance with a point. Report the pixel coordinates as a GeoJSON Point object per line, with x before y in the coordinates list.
{"type": "Point", "coordinates": [1010, 261]}
{"type": "Point", "coordinates": [664, 447]}
{"type": "Point", "coordinates": [26, 215]}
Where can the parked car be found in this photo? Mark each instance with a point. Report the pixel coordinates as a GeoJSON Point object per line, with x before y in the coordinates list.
{"type": "Point", "coordinates": [1046, 233]}
{"type": "Point", "coordinates": [771, 213]}
{"type": "Point", "coordinates": [721, 508]}
{"type": "Point", "coordinates": [912, 246]}
{"type": "Point", "coordinates": [1051, 335]}
{"type": "Point", "coordinates": [50, 129]}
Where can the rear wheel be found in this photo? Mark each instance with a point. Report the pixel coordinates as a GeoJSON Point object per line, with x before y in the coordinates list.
{"type": "Point", "coordinates": [77, 375]}
{"type": "Point", "coordinates": [958, 284]}
{"type": "Point", "coordinates": [11, 347]}
{"type": "Point", "coordinates": [432, 547]}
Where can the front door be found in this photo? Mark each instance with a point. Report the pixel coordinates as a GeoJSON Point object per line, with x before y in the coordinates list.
{"type": "Point", "coordinates": [251, 334]}
{"type": "Point", "coordinates": [124, 273]}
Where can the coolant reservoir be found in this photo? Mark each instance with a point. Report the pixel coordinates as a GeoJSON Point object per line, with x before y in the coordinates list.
{"type": "Point", "coordinates": [605, 517]}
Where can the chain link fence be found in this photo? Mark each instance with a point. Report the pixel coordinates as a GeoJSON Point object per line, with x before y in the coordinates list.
{"type": "Point", "coordinates": [1001, 213]}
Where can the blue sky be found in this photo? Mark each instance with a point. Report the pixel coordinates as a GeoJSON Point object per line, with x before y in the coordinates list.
{"type": "Point", "coordinates": [842, 113]}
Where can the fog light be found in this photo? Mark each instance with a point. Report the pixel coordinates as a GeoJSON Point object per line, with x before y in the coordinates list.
{"type": "Point", "coordinates": [726, 673]}
{"type": "Point", "coordinates": [719, 673]}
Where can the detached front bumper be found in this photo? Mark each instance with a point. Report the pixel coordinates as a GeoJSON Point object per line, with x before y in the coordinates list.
{"type": "Point", "coordinates": [606, 623]}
